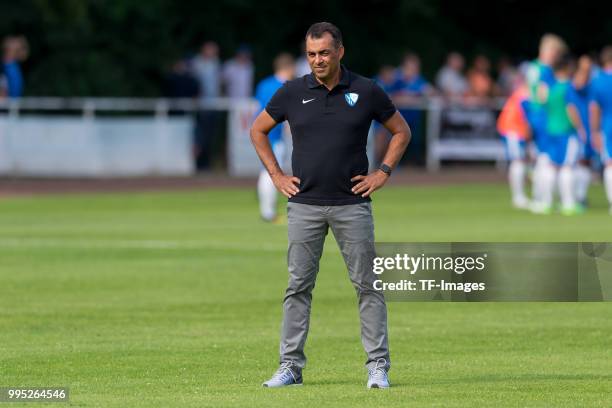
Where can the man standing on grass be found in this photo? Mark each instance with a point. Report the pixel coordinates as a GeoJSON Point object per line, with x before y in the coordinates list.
{"type": "Point", "coordinates": [601, 118]}
{"type": "Point", "coordinates": [329, 113]}
{"type": "Point", "coordinates": [284, 70]}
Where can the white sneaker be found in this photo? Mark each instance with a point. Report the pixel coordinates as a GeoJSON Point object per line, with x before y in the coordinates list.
{"type": "Point", "coordinates": [285, 376]}
{"type": "Point", "coordinates": [540, 208]}
{"type": "Point", "coordinates": [377, 376]}
{"type": "Point", "coordinates": [522, 203]}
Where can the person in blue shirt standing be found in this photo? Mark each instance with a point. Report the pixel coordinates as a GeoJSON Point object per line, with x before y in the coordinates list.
{"type": "Point", "coordinates": [600, 113]}
{"type": "Point", "coordinates": [581, 96]}
{"type": "Point", "coordinates": [409, 90]}
{"type": "Point", "coordinates": [284, 70]}
{"type": "Point", "coordinates": [564, 130]}
{"type": "Point", "coordinates": [14, 51]}
{"type": "Point", "coordinates": [540, 78]}
{"type": "Point", "coordinates": [387, 79]}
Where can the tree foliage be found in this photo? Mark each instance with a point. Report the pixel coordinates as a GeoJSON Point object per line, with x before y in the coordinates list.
{"type": "Point", "coordinates": [123, 47]}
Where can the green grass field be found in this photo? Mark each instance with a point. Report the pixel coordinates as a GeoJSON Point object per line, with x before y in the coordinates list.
{"type": "Point", "coordinates": [174, 299]}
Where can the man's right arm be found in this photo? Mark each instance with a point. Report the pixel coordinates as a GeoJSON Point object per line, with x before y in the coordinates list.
{"type": "Point", "coordinates": [263, 124]}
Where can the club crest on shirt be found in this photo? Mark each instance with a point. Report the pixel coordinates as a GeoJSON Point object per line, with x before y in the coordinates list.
{"type": "Point", "coordinates": [351, 98]}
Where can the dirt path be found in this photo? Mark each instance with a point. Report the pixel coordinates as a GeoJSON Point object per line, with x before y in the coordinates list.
{"type": "Point", "coordinates": [34, 186]}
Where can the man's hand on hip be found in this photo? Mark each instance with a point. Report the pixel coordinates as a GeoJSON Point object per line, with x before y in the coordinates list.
{"type": "Point", "coordinates": [370, 183]}
{"type": "Point", "coordinates": [288, 185]}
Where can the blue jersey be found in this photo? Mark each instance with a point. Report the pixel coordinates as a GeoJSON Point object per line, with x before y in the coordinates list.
{"type": "Point", "coordinates": [538, 74]}
{"type": "Point", "coordinates": [581, 98]}
{"type": "Point", "coordinates": [602, 94]}
{"type": "Point", "coordinates": [558, 121]}
{"type": "Point", "coordinates": [411, 86]}
{"type": "Point", "coordinates": [414, 86]}
{"type": "Point", "coordinates": [388, 87]}
{"type": "Point", "coordinates": [263, 93]}
{"type": "Point", "coordinates": [14, 79]}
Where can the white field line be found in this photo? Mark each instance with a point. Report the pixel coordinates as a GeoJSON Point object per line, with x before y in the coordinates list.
{"type": "Point", "coordinates": [156, 244]}
{"type": "Point", "coordinates": [24, 243]}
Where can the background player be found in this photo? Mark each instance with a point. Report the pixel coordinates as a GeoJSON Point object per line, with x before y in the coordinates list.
{"type": "Point", "coordinates": [582, 86]}
{"type": "Point", "coordinates": [601, 117]}
{"type": "Point", "coordinates": [512, 125]}
{"type": "Point", "coordinates": [284, 70]}
{"type": "Point", "coordinates": [540, 78]}
{"type": "Point", "coordinates": [563, 130]}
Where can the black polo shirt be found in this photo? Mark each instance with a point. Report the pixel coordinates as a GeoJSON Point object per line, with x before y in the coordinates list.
{"type": "Point", "coordinates": [330, 133]}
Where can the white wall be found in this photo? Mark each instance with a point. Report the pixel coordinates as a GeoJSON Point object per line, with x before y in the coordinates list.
{"type": "Point", "coordinates": [79, 146]}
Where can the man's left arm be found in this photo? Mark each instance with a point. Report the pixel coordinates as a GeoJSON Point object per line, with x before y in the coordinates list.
{"type": "Point", "coordinates": [400, 132]}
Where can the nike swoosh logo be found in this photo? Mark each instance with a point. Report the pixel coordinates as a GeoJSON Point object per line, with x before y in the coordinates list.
{"type": "Point", "coordinates": [309, 100]}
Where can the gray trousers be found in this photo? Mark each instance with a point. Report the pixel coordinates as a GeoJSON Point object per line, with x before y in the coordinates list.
{"type": "Point", "coordinates": [353, 228]}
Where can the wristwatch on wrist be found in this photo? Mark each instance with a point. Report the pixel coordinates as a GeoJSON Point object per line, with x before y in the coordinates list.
{"type": "Point", "coordinates": [385, 169]}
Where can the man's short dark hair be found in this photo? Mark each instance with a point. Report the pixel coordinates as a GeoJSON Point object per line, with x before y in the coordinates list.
{"type": "Point", "coordinates": [283, 61]}
{"type": "Point", "coordinates": [317, 30]}
{"type": "Point", "coordinates": [564, 62]}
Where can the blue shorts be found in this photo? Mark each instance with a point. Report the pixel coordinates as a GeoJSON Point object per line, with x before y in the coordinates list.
{"type": "Point", "coordinates": [563, 150]}
{"type": "Point", "coordinates": [516, 148]}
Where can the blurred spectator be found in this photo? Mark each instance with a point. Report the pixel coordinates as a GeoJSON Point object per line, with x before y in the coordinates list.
{"type": "Point", "coordinates": [582, 76]}
{"type": "Point", "coordinates": [411, 86]}
{"type": "Point", "coordinates": [409, 90]}
{"type": "Point", "coordinates": [506, 75]}
{"type": "Point", "coordinates": [595, 67]}
{"type": "Point", "coordinates": [450, 79]}
{"type": "Point", "coordinates": [480, 82]}
{"type": "Point", "coordinates": [582, 93]}
{"type": "Point", "coordinates": [180, 83]}
{"type": "Point", "coordinates": [410, 82]}
{"type": "Point", "coordinates": [301, 65]}
{"type": "Point", "coordinates": [14, 51]}
{"type": "Point", "coordinates": [207, 70]}
{"type": "Point", "coordinates": [238, 74]}
{"type": "Point", "coordinates": [387, 80]}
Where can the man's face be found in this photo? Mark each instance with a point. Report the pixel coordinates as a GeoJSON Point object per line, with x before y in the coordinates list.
{"type": "Point", "coordinates": [287, 72]}
{"type": "Point", "coordinates": [455, 61]}
{"type": "Point", "coordinates": [210, 50]}
{"type": "Point", "coordinates": [323, 56]}
{"type": "Point", "coordinates": [11, 49]}
{"type": "Point", "coordinates": [411, 68]}
{"type": "Point", "coordinates": [550, 54]}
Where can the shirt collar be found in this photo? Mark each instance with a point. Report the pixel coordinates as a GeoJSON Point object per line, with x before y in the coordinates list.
{"type": "Point", "coordinates": [345, 79]}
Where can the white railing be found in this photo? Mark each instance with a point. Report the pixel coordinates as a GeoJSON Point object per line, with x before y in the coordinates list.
{"type": "Point", "coordinates": [441, 143]}
{"type": "Point", "coordinates": [92, 104]}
